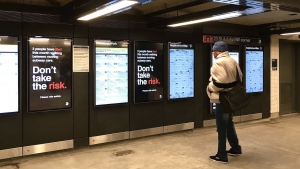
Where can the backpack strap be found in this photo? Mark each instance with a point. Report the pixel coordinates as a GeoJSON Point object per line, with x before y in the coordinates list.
{"type": "Point", "coordinates": [224, 85]}
{"type": "Point", "coordinates": [228, 85]}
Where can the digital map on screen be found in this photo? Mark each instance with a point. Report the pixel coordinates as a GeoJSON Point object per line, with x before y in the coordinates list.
{"type": "Point", "coordinates": [111, 75]}
{"type": "Point", "coordinates": [181, 73]}
{"type": "Point", "coordinates": [9, 97]}
{"type": "Point", "coordinates": [254, 69]}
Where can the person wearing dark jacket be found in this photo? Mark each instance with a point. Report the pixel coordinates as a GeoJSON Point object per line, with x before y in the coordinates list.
{"type": "Point", "coordinates": [223, 71]}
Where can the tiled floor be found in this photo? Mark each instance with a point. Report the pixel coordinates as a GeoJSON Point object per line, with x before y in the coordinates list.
{"type": "Point", "coordinates": [271, 144]}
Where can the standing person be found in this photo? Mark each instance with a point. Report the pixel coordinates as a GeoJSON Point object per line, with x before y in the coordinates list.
{"type": "Point", "coordinates": [223, 72]}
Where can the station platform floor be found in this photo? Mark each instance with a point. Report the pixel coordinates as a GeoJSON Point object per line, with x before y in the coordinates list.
{"type": "Point", "coordinates": [266, 144]}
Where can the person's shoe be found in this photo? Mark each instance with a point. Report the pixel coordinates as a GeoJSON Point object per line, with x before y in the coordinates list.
{"type": "Point", "coordinates": [231, 152]}
{"type": "Point", "coordinates": [216, 158]}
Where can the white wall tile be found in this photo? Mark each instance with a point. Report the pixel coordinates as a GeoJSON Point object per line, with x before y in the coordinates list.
{"type": "Point", "coordinates": [274, 75]}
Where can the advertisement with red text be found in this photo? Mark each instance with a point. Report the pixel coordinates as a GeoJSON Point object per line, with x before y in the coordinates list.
{"type": "Point", "coordinates": [50, 74]}
{"type": "Point", "coordinates": [149, 71]}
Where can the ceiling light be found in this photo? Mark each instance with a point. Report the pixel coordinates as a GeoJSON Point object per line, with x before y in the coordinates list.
{"type": "Point", "coordinates": [214, 18]}
{"type": "Point", "coordinates": [122, 10]}
{"type": "Point", "coordinates": [109, 9]}
{"type": "Point", "coordinates": [293, 33]}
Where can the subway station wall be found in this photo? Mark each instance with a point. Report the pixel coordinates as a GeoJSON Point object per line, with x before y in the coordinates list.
{"type": "Point", "coordinates": [84, 120]}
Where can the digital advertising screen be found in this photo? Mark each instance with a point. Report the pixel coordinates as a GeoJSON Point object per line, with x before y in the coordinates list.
{"type": "Point", "coordinates": [149, 71]}
{"type": "Point", "coordinates": [254, 69]}
{"type": "Point", "coordinates": [50, 73]}
{"type": "Point", "coordinates": [181, 71]}
{"type": "Point", "coordinates": [9, 76]}
{"type": "Point", "coordinates": [111, 74]}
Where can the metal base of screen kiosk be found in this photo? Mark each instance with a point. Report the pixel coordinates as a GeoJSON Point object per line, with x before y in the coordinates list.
{"type": "Point", "coordinates": [251, 117]}
{"type": "Point", "coordinates": [140, 133]}
{"type": "Point", "coordinates": [161, 130]}
{"type": "Point", "coordinates": [69, 144]}
{"type": "Point", "coordinates": [10, 153]}
{"type": "Point", "coordinates": [109, 138]}
{"type": "Point", "coordinates": [178, 127]}
{"type": "Point", "coordinates": [42, 148]}
{"type": "Point", "coordinates": [146, 132]}
{"type": "Point", "coordinates": [236, 119]}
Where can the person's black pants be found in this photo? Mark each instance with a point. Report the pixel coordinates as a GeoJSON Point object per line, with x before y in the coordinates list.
{"type": "Point", "coordinates": [225, 128]}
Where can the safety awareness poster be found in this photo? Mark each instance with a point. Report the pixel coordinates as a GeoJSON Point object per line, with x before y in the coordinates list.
{"type": "Point", "coordinates": [149, 72]}
{"type": "Point", "coordinates": [50, 74]}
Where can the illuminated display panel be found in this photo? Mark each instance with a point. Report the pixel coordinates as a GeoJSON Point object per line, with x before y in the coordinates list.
{"type": "Point", "coordinates": [149, 72]}
{"type": "Point", "coordinates": [50, 74]}
{"type": "Point", "coordinates": [254, 69]}
{"type": "Point", "coordinates": [111, 72]}
{"type": "Point", "coordinates": [9, 76]}
{"type": "Point", "coordinates": [181, 71]}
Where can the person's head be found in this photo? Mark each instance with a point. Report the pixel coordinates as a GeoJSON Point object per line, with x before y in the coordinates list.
{"type": "Point", "coordinates": [219, 47]}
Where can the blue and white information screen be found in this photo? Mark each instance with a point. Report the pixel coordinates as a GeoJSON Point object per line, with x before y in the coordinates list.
{"type": "Point", "coordinates": [9, 77]}
{"type": "Point", "coordinates": [181, 71]}
{"type": "Point", "coordinates": [254, 69]}
{"type": "Point", "coordinates": [111, 72]}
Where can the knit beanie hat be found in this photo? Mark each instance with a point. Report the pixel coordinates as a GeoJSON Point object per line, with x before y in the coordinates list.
{"type": "Point", "coordinates": [220, 46]}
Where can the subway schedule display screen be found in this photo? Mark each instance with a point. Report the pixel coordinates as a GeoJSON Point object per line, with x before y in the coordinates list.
{"type": "Point", "coordinates": [50, 74]}
{"type": "Point", "coordinates": [111, 84]}
{"type": "Point", "coordinates": [9, 68]}
{"type": "Point", "coordinates": [254, 69]}
{"type": "Point", "coordinates": [181, 71]}
{"type": "Point", "coordinates": [149, 72]}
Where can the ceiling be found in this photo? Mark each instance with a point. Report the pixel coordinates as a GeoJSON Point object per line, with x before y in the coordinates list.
{"type": "Point", "coordinates": [263, 18]}
{"type": "Point", "coordinates": [276, 14]}
{"type": "Point", "coordinates": [54, 3]}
